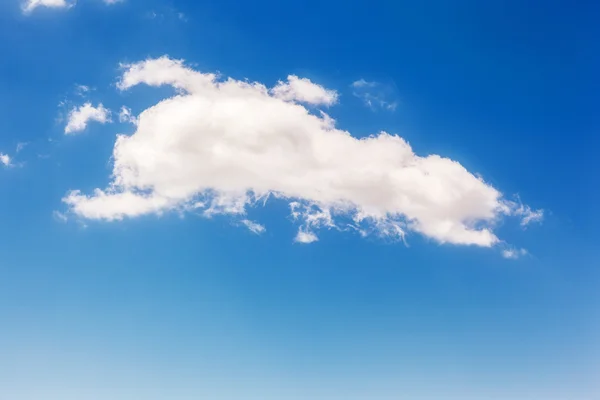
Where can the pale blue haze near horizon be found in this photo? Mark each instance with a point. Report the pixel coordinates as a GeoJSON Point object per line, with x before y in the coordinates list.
{"type": "Point", "coordinates": [180, 306]}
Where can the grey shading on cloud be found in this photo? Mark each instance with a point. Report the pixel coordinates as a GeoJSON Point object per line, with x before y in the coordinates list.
{"type": "Point", "coordinates": [223, 145]}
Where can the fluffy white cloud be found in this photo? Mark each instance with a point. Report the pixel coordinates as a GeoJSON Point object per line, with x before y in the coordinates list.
{"type": "Point", "coordinates": [305, 91]}
{"type": "Point", "coordinates": [116, 205]}
{"type": "Point", "coordinates": [125, 115]}
{"type": "Point", "coordinates": [253, 226]}
{"type": "Point", "coordinates": [513, 254]}
{"type": "Point", "coordinates": [30, 5]}
{"type": "Point", "coordinates": [374, 94]}
{"type": "Point", "coordinates": [305, 237]}
{"type": "Point", "coordinates": [80, 116]}
{"type": "Point", "coordinates": [113, 1]}
{"type": "Point", "coordinates": [5, 160]}
{"type": "Point", "coordinates": [223, 145]}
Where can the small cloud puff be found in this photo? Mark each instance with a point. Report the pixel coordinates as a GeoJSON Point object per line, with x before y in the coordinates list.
{"type": "Point", "coordinates": [305, 237]}
{"type": "Point", "coordinates": [21, 146]}
{"type": "Point", "coordinates": [375, 95]}
{"type": "Point", "coordinates": [80, 116]}
{"type": "Point", "coordinates": [82, 90]}
{"type": "Point", "coordinates": [253, 226]}
{"type": "Point", "coordinates": [527, 214]}
{"type": "Point", "coordinates": [513, 254]}
{"type": "Point", "coordinates": [125, 115]}
{"type": "Point", "coordinates": [5, 159]}
{"type": "Point", "coordinates": [8, 161]}
{"type": "Point", "coordinates": [304, 90]}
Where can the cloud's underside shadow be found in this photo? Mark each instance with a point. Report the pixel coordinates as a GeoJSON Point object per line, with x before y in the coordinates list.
{"type": "Point", "coordinates": [220, 145]}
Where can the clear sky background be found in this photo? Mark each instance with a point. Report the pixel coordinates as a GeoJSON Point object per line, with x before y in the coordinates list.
{"type": "Point", "coordinates": [181, 306]}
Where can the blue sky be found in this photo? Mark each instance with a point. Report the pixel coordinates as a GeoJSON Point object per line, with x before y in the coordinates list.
{"type": "Point", "coordinates": [454, 257]}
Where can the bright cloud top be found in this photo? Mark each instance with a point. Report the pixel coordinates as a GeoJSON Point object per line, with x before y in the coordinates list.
{"type": "Point", "coordinates": [79, 117]}
{"type": "Point", "coordinates": [5, 160]}
{"type": "Point", "coordinates": [30, 5]}
{"type": "Point", "coordinates": [303, 90]}
{"type": "Point", "coordinates": [223, 145]}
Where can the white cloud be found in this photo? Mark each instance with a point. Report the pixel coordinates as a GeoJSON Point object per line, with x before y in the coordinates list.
{"type": "Point", "coordinates": [253, 226]}
{"type": "Point", "coordinates": [80, 116]}
{"type": "Point", "coordinates": [30, 5]}
{"type": "Point", "coordinates": [5, 160]}
{"type": "Point", "coordinates": [530, 216]}
{"type": "Point", "coordinates": [59, 216]}
{"type": "Point", "coordinates": [304, 91]}
{"type": "Point", "coordinates": [305, 237]}
{"type": "Point", "coordinates": [513, 254]}
{"type": "Point", "coordinates": [225, 145]}
{"type": "Point", "coordinates": [311, 217]}
{"type": "Point", "coordinates": [82, 90]}
{"type": "Point", "coordinates": [361, 83]}
{"type": "Point", "coordinates": [116, 205]}
{"type": "Point", "coordinates": [374, 94]}
{"type": "Point", "coordinates": [21, 146]}
{"type": "Point", "coordinates": [125, 115]}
